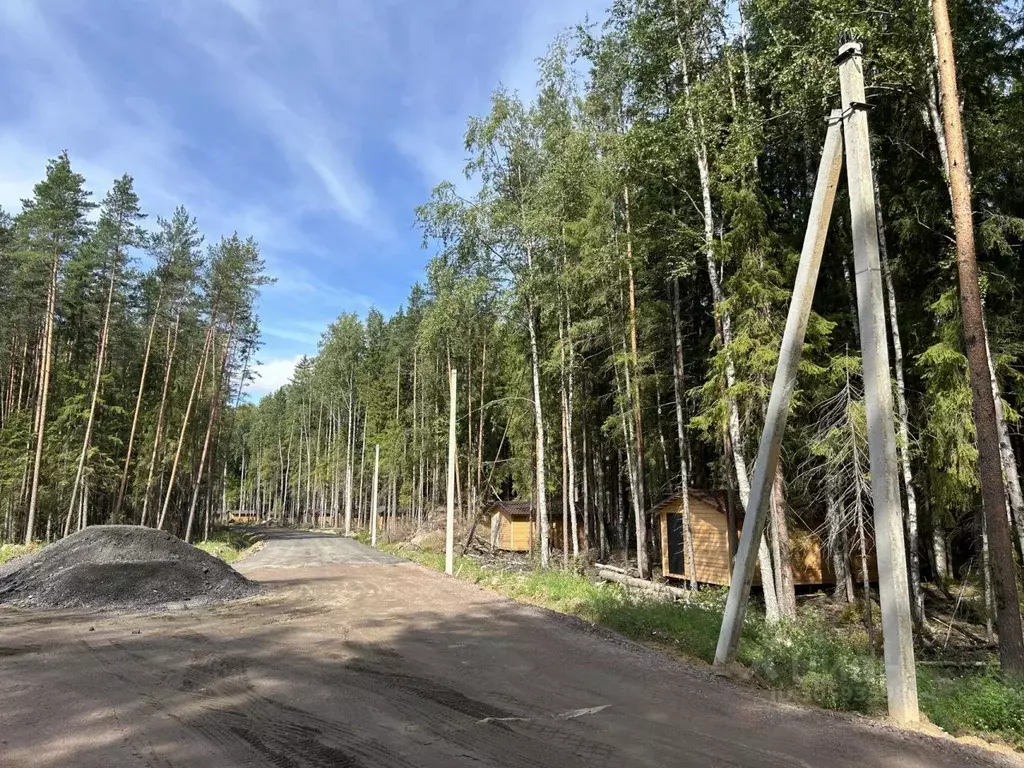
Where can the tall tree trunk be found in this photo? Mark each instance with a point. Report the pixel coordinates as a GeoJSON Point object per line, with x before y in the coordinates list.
{"type": "Point", "coordinates": [784, 561]}
{"type": "Point", "coordinates": [470, 476]}
{"type": "Point", "coordinates": [990, 470]}
{"type": "Point", "coordinates": [587, 540]}
{"type": "Point", "coordinates": [932, 117]}
{"type": "Point", "coordinates": [138, 407]}
{"type": "Point", "coordinates": [635, 476]}
{"type": "Point", "coordinates": [196, 384]}
{"type": "Point", "coordinates": [571, 362]}
{"type": "Point", "coordinates": [417, 482]}
{"type": "Point", "coordinates": [724, 326]}
{"type": "Point", "coordinates": [565, 488]}
{"type": "Point", "coordinates": [172, 345]}
{"type": "Point", "coordinates": [362, 465]}
{"type": "Point", "coordinates": [836, 537]}
{"type": "Point", "coordinates": [869, 620]}
{"type": "Point", "coordinates": [44, 393]}
{"type": "Point", "coordinates": [349, 446]}
{"type": "Point", "coordinates": [541, 480]}
{"type": "Point", "coordinates": [214, 406]}
{"type": "Point", "coordinates": [633, 388]}
{"type": "Point", "coordinates": [566, 450]}
{"type": "Point", "coordinates": [903, 419]}
{"type": "Point", "coordinates": [679, 387]}
{"type": "Point", "coordinates": [101, 356]}
{"type": "Point", "coordinates": [986, 580]}
{"type": "Point", "coordinates": [1009, 460]}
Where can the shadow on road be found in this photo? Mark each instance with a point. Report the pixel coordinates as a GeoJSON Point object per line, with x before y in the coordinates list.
{"type": "Point", "coordinates": [393, 667]}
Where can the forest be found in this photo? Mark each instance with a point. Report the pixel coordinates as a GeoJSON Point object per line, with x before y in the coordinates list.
{"type": "Point", "coordinates": [610, 281]}
{"type": "Point", "coordinates": [613, 291]}
{"type": "Point", "coordinates": [124, 357]}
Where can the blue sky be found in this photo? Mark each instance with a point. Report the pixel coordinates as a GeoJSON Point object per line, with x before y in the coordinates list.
{"type": "Point", "coordinates": [314, 126]}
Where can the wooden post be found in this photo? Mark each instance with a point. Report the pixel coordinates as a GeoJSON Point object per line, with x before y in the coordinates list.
{"type": "Point", "coordinates": [893, 588]}
{"type": "Point", "coordinates": [449, 535]}
{"type": "Point", "coordinates": [782, 392]}
{"type": "Point", "coordinates": [373, 496]}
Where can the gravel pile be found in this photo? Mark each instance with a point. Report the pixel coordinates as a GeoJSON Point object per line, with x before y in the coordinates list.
{"type": "Point", "coordinates": [123, 567]}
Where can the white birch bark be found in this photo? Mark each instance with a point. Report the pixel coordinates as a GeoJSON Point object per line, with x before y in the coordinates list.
{"type": "Point", "coordinates": [903, 419]}
{"type": "Point", "coordinates": [725, 332]}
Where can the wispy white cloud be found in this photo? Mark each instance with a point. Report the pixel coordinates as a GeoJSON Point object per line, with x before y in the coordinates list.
{"type": "Point", "coordinates": [299, 333]}
{"type": "Point", "coordinates": [253, 12]}
{"type": "Point", "coordinates": [272, 375]}
{"type": "Point", "coordinates": [434, 141]}
{"type": "Point", "coordinates": [315, 127]}
{"type": "Point", "coordinates": [272, 70]}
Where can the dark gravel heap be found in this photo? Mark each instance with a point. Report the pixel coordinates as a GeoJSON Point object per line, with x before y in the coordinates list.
{"type": "Point", "coordinates": [122, 567]}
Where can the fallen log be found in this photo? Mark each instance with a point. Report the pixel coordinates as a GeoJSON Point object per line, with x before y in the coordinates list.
{"type": "Point", "coordinates": [648, 586]}
{"type": "Point", "coordinates": [614, 568]}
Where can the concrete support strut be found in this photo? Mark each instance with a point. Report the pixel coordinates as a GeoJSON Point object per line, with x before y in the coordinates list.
{"type": "Point", "coordinates": [782, 392]}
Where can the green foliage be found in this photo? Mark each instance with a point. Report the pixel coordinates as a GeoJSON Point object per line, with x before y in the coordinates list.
{"type": "Point", "coordinates": [229, 544]}
{"type": "Point", "coordinates": [819, 664]}
{"type": "Point", "coordinates": [974, 704]}
{"type": "Point", "coordinates": [948, 436]}
{"type": "Point", "coordinates": [74, 300]}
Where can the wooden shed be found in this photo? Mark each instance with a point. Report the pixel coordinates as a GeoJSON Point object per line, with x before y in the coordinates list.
{"type": "Point", "coordinates": [511, 525]}
{"type": "Point", "coordinates": [713, 563]}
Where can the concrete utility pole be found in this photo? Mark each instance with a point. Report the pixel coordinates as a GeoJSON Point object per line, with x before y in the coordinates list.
{"type": "Point", "coordinates": [373, 497]}
{"type": "Point", "coordinates": [782, 391]}
{"type": "Point", "coordinates": [449, 534]}
{"type": "Point", "coordinates": [893, 587]}
{"type": "Point", "coordinates": [894, 592]}
{"type": "Point", "coordinates": [993, 491]}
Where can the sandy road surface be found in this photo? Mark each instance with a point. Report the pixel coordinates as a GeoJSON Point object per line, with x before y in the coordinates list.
{"type": "Point", "coordinates": [352, 660]}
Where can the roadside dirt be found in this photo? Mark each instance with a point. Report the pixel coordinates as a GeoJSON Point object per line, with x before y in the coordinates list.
{"type": "Point", "coordinates": [363, 664]}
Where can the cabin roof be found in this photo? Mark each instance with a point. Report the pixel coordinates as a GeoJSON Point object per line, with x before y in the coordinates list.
{"type": "Point", "coordinates": [715, 499]}
{"type": "Point", "coordinates": [514, 508]}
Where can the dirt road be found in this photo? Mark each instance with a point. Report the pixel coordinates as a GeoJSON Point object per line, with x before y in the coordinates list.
{"type": "Point", "coordinates": [355, 660]}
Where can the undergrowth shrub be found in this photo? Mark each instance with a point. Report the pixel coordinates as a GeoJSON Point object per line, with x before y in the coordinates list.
{"type": "Point", "coordinates": [974, 703]}
{"type": "Point", "coordinates": [819, 664]}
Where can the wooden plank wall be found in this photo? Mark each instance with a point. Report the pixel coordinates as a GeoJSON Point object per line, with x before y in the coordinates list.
{"type": "Point", "coordinates": [711, 548]}
{"type": "Point", "coordinates": [510, 533]}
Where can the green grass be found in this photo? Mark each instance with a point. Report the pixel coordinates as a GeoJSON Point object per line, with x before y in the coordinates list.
{"type": "Point", "coordinates": [827, 665]}
{"type": "Point", "coordinates": [977, 704]}
{"type": "Point", "coordinates": [229, 544]}
{"type": "Point", "coordinates": [9, 552]}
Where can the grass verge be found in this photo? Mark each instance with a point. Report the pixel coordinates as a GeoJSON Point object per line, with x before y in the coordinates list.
{"type": "Point", "coordinates": [9, 552]}
{"type": "Point", "coordinates": [229, 544]}
{"type": "Point", "coordinates": [810, 660]}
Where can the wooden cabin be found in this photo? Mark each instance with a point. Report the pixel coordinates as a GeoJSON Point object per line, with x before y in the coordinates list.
{"type": "Point", "coordinates": [713, 563]}
{"type": "Point", "coordinates": [511, 525]}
